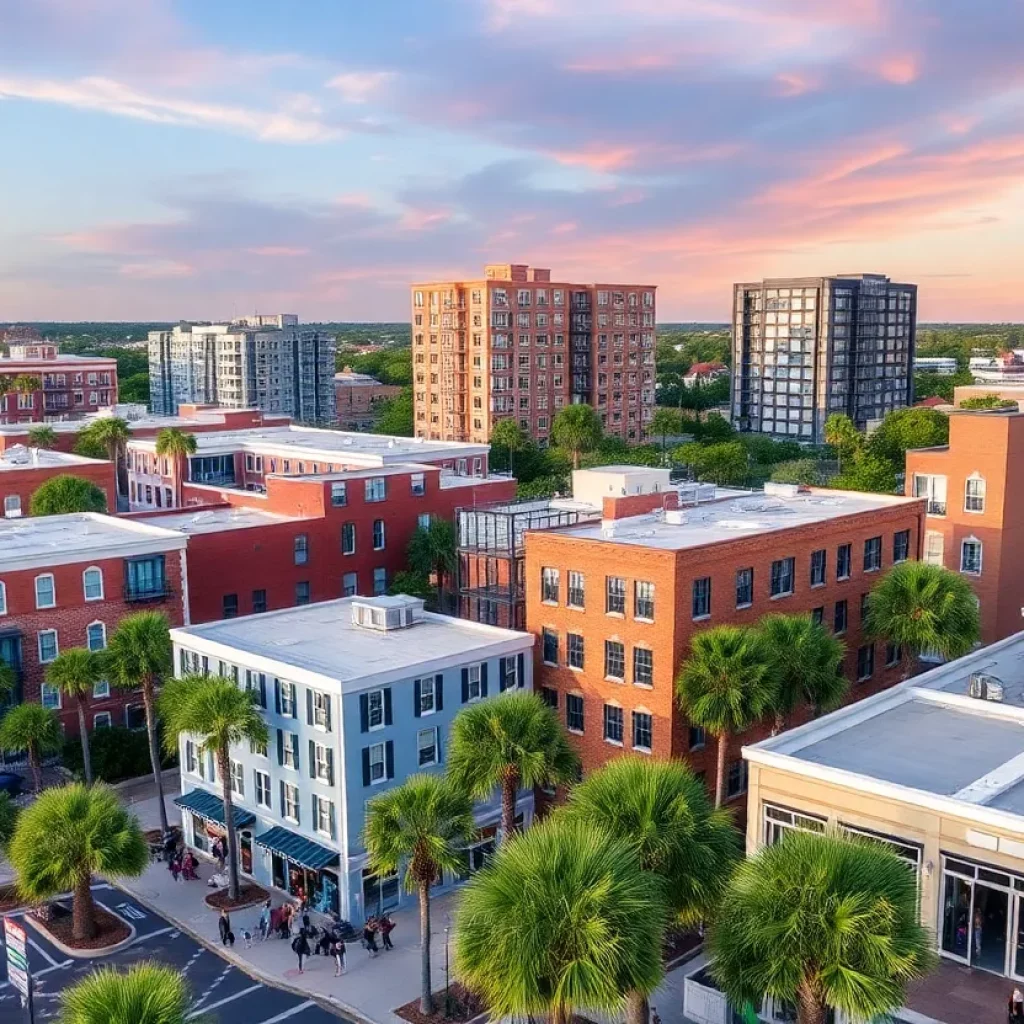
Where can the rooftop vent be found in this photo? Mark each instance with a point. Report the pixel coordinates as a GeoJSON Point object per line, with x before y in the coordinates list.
{"type": "Point", "coordinates": [675, 517]}
{"type": "Point", "coordinates": [777, 490]}
{"type": "Point", "coordinates": [387, 613]}
{"type": "Point", "coordinates": [983, 686]}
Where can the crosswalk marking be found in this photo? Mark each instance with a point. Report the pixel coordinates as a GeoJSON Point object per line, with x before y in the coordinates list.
{"type": "Point", "coordinates": [228, 999]}
{"type": "Point", "coordinates": [288, 1013]}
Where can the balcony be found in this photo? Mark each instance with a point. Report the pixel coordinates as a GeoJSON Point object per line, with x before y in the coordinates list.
{"type": "Point", "coordinates": [147, 594]}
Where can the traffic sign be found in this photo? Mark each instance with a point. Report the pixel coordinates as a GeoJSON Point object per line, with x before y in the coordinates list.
{"type": "Point", "coordinates": [17, 957]}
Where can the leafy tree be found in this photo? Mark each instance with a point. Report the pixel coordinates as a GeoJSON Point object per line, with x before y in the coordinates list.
{"type": "Point", "coordinates": [34, 730]}
{"type": "Point", "coordinates": [866, 472]}
{"type": "Point", "coordinates": [842, 435]}
{"type": "Point", "coordinates": [145, 993]}
{"type": "Point", "coordinates": [665, 422]}
{"type": "Point", "coordinates": [68, 835]}
{"type": "Point", "coordinates": [918, 427]}
{"type": "Point", "coordinates": [415, 584]}
{"type": "Point", "coordinates": [8, 683]}
{"type": "Point", "coordinates": [988, 402]}
{"type": "Point", "coordinates": [921, 607]}
{"type": "Point", "coordinates": [724, 463]}
{"type": "Point", "coordinates": [67, 493]}
{"type": "Point", "coordinates": [713, 428]}
{"type": "Point", "coordinates": [507, 439]}
{"type": "Point", "coordinates": [661, 811]}
{"type": "Point", "coordinates": [800, 471]}
{"type": "Point", "coordinates": [510, 743]}
{"type": "Point", "coordinates": [804, 663]}
{"type": "Point", "coordinates": [542, 487]}
{"type": "Point", "coordinates": [395, 415]}
{"type": "Point", "coordinates": [823, 922]}
{"type": "Point", "coordinates": [134, 389]}
{"type": "Point", "coordinates": [9, 812]}
{"type": "Point", "coordinates": [25, 384]}
{"type": "Point", "coordinates": [219, 714]}
{"type": "Point", "coordinates": [425, 823]}
{"type": "Point", "coordinates": [108, 435]}
{"type": "Point", "coordinates": [942, 386]}
{"type": "Point", "coordinates": [75, 672]}
{"type": "Point", "coordinates": [177, 445]}
{"type": "Point", "coordinates": [561, 919]}
{"type": "Point", "coordinates": [724, 687]}
{"type": "Point", "coordinates": [138, 655]}
{"type": "Point", "coordinates": [577, 429]}
{"type": "Point", "coordinates": [42, 437]}
{"type": "Point", "coordinates": [432, 551]}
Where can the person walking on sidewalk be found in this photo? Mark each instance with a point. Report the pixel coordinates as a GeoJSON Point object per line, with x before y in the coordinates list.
{"type": "Point", "coordinates": [370, 936]}
{"type": "Point", "coordinates": [300, 947]}
{"type": "Point", "coordinates": [265, 921]}
{"type": "Point", "coordinates": [338, 951]}
{"type": "Point", "coordinates": [387, 926]}
{"type": "Point", "coordinates": [227, 937]}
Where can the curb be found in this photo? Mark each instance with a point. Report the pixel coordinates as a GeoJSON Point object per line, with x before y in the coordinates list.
{"type": "Point", "coordinates": [83, 954]}
{"type": "Point", "coordinates": [327, 1002]}
{"type": "Point", "coordinates": [685, 958]}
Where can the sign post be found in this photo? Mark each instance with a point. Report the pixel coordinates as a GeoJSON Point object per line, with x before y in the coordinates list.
{"type": "Point", "coordinates": [17, 964]}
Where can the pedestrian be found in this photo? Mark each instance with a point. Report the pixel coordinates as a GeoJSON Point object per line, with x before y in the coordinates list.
{"type": "Point", "coordinates": [387, 926]}
{"type": "Point", "coordinates": [174, 866]}
{"type": "Point", "coordinates": [265, 921]}
{"type": "Point", "coordinates": [338, 951]}
{"type": "Point", "coordinates": [227, 937]}
{"type": "Point", "coordinates": [287, 913]}
{"type": "Point", "coordinates": [370, 936]}
{"type": "Point", "coordinates": [188, 866]}
{"type": "Point", "coordinates": [300, 947]}
{"type": "Point", "coordinates": [221, 853]}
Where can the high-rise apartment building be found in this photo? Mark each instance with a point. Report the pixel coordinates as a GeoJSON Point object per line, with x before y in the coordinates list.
{"type": "Point", "coordinates": [270, 363]}
{"type": "Point", "coordinates": [517, 345]}
{"type": "Point", "coordinates": [806, 347]}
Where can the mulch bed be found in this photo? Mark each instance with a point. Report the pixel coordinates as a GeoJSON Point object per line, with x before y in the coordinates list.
{"type": "Point", "coordinates": [248, 896]}
{"type": "Point", "coordinates": [678, 942]}
{"type": "Point", "coordinates": [463, 1005]}
{"type": "Point", "coordinates": [9, 898]}
{"type": "Point", "coordinates": [109, 929]}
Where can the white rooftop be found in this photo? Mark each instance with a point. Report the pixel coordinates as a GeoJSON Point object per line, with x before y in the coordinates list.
{"type": "Point", "coordinates": [926, 741]}
{"type": "Point", "coordinates": [215, 520]}
{"type": "Point", "coordinates": [136, 420]}
{"type": "Point", "coordinates": [321, 640]}
{"type": "Point", "coordinates": [19, 457]}
{"type": "Point", "coordinates": [79, 537]}
{"type": "Point", "coordinates": [351, 377]}
{"type": "Point", "coordinates": [731, 514]}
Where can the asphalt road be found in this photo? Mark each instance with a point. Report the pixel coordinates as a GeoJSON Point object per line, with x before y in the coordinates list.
{"type": "Point", "coordinates": [220, 991]}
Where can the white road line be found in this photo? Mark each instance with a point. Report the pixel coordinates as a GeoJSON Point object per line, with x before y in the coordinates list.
{"type": "Point", "coordinates": [229, 999]}
{"type": "Point", "coordinates": [288, 1013]}
{"type": "Point", "coordinates": [42, 952]}
{"type": "Point", "coordinates": [151, 935]}
{"type": "Point", "coordinates": [45, 970]}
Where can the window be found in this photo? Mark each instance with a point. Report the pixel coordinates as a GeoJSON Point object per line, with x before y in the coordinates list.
{"type": "Point", "coordinates": [782, 577]}
{"type": "Point", "coordinates": [12, 505]}
{"type": "Point", "coordinates": [193, 761]}
{"type": "Point", "coordinates": [45, 593]}
{"type": "Point", "coordinates": [92, 584]}
{"type": "Point", "coordinates": [550, 638]}
{"type": "Point", "coordinates": [349, 584]}
{"type": "Point", "coordinates": [614, 595]}
{"type": "Point", "coordinates": [643, 601]}
{"type": "Point", "coordinates": [933, 489]}
{"type": "Point", "coordinates": [380, 581]}
{"type": "Point", "coordinates": [613, 723]}
{"type": "Point", "coordinates": [873, 554]}
{"type": "Point", "coordinates": [970, 556]}
{"type": "Point", "coordinates": [49, 697]}
{"type": "Point", "coordinates": [744, 588]}
{"type": "Point", "coordinates": [508, 673]}
{"type": "Point", "coordinates": [3, 598]}
{"type": "Point", "coordinates": [549, 695]}
{"type": "Point", "coordinates": [426, 747]}
{"type": "Point", "coordinates": [375, 489]}
{"type": "Point", "coordinates": [301, 546]}
{"type": "Point", "coordinates": [575, 595]}
{"type": "Point", "coordinates": [375, 709]}
{"type": "Point", "coordinates": [780, 820]}
{"type": "Point", "coordinates": [736, 783]}
{"type": "Point", "coordinates": [844, 560]}
{"type": "Point", "coordinates": [614, 660]}
{"type": "Point", "coordinates": [643, 730]}
{"type": "Point", "coordinates": [893, 655]}
{"type": "Point", "coordinates": [238, 778]}
{"type": "Point", "coordinates": [302, 592]}
{"type": "Point", "coordinates": [323, 763]}
{"type": "Point", "coordinates": [47, 645]}
{"type": "Point", "coordinates": [974, 494]}
{"type": "Point", "coordinates": [697, 738]}
{"type": "Point", "coordinates": [323, 816]}
{"type": "Point", "coordinates": [339, 495]}
{"type": "Point", "coordinates": [101, 720]}
{"type": "Point", "coordinates": [574, 650]}
{"type": "Point", "coordinates": [320, 705]}
{"type": "Point", "coordinates": [145, 578]}
{"type": "Point", "coordinates": [423, 521]}
{"type": "Point", "coordinates": [700, 602]}
{"type": "Point", "coordinates": [289, 704]}
{"type": "Point", "coordinates": [643, 667]}
{"type": "Point", "coordinates": [934, 547]}
{"type": "Point", "coordinates": [900, 546]}
{"type": "Point", "coordinates": [289, 749]}
{"type": "Point", "coordinates": [818, 568]}
{"type": "Point", "coordinates": [378, 535]}
{"type": "Point", "coordinates": [348, 538]}
{"type": "Point", "coordinates": [418, 484]}
{"type": "Point", "coordinates": [259, 601]}
{"type": "Point", "coordinates": [229, 606]}
{"type": "Point", "coordinates": [549, 585]}
{"type": "Point", "coordinates": [96, 636]}
{"type": "Point", "coordinates": [100, 689]}
{"type": "Point", "coordinates": [426, 690]}
{"type": "Point", "coordinates": [865, 662]}
{"type": "Point", "coordinates": [377, 763]}
{"type": "Point", "coordinates": [817, 615]}
{"type": "Point", "coordinates": [574, 712]}
{"type": "Point", "coordinates": [840, 617]}
{"type": "Point", "coordinates": [290, 802]}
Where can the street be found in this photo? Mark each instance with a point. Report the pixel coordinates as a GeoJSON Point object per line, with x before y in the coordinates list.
{"type": "Point", "coordinates": [219, 990]}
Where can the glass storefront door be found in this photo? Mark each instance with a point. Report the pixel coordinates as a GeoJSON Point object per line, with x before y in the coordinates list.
{"type": "Point", "coordinates": [956, 917]}
{"type": "Point", "coordinates": [988, 928]}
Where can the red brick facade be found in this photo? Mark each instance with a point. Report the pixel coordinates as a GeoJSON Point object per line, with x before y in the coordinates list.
{"type": "Point", "coordinates": [23, 483]}
{"type": "Point", "coordinates": [70, 386]}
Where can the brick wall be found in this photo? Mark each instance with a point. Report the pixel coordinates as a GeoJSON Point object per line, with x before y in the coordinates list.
{"type": "Point", "coordinates": [25, 482]}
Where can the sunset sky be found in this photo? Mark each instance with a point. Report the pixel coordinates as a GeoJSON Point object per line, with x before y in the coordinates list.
{"type": "Point", "coordinates": [207, 158]}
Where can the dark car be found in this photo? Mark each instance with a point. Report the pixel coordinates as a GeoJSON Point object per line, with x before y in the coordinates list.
{"type": "Point", "coordinates": [10, 783]}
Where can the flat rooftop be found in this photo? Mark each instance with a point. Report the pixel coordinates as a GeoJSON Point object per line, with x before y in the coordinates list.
{"type": "Point", "coordinates": [135, 422]}
{"type": "Point", "coordinates": [731, 515]}
{"type": "Point", "coordinates": [924, 739]}
{"type": "Point", "coordinates": [9, 363]}
{"type": "Point", "coordinates": [19, 458]}
{"type": "Point", "coordinates": [322, 639]}
{"type": "Point", "coordinates": [215, 520]}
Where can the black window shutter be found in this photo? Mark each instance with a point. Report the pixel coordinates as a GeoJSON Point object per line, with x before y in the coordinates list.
{"type": "Point", "coordinates": [312, 759]}
{"type": "Point", "coordinates": [520, 670]}
{"type": "Point", "coordinates": [389, 759]}
{"type": "Point", "coordinates": [280, 746]}
{"type": "Point", "coordinates": [313, 819]}
{"type": "Point", "coordinates": [366, 766]}
{"type": "Point", "coordinates": [333, 826]}
{"type": "Point", "coordinates": [295, 747]}
{"type": "Point", "coordinates": [330, 766]}
{"type": "Point", "coordinates": [387, 705]}
{"type": "Point", "coordinates": [281, 790]}
{"type": "Point", "coordinates": [309, 706]}
{"type": "Point", "coordinates": [483, 679]}
{"type": "Point", "coordinates": [439, 692]}
{"type": "Point", "coordinates": [437, 743]}
{"type": "Point", "coordinates": [277, 695]}
{"type": "Point", "coordinates": [263, 690]}
{"type": "Point", "coordinates": [327, 709]}
{"type": "Point", "coordinates": [502, 665]}
{"type": "Point", "coordinates": [364, 712]}
{"type": "Point", "coordinates": [465, 685]}
{"type": "Point", "coordinates": [416, 692]}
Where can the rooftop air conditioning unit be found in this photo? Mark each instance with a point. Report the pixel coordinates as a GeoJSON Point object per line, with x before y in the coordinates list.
{"type": "Point", "coordinates": [675, 517]}
{"type": "Point", "coordinates": [777, 490]}
{"type": "Point", "coordinates": [983, 686]}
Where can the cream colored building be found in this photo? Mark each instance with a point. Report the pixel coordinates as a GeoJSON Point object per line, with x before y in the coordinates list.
{"type": "Point", "coordinates": [934, 767]}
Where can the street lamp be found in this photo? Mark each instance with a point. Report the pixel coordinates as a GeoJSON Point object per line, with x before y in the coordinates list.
{"type": "Point", "coordinates": [447, 998]}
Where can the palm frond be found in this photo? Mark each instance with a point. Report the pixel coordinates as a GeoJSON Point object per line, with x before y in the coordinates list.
{"type": "Point", "coordinates": [146, 993]}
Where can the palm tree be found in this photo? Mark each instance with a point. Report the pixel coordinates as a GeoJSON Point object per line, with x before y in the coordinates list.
{"type": "Point", "coordinates": [8, 683]}
{"type": "Point", "coordinates": [425, 823]}
{"type": "Point", "coordinates": [36, 731]}
{"type": "Point", "coordinates": [42, 437]}
{"type": "Point", "coordinates": [75, 673]}
{"type": "Point", "coordinates": [510, 743]}
{"type": "Point", "coordinates": [824, 922]}
{"type": "Point", "coordinates": [843, 435]}
{"type": "Point", "coordinates": [804, 663]}
{"type": "Point", "coordinates": [67, 493]}
{"type": "Point", "coordinates": [139, 655]}
{"type": "Point", "coordinates": [724, 687]}
{"type": "Point", "coordinates": [68, 835]}
{"type": "Point", "coordinates": [664, 422]}
{"type": "Point", "coordinates": [662, 812]}
{"type": "Point", "coordinates": [577, 429]}
{"type": "Point", "coordinates": [921, 607]}
{"type": "Point", "coordinates": [562, 918]}
{"type": "Point", "coordinates": [508, 434]}
{"type": "Point", "coordinates": [432, 551]}
{"type": "Point", "coordinates": [177, 445]}
{"type": "Point", "coordinates": [219, 714]}
{"type": "Point", "coordinates": [146, 993]}
{"type": "Point", "coordinates": [110, 433]}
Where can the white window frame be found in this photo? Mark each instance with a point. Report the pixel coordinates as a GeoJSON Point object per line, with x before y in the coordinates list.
{"type": "Point", "coordinates": [3, 598]}
{"type": "Point", "coordinates": [39, 646]}
{"type": "Point", "coordinates": [238, 779]}
{"type": "Point", "coordinates": [428, 685]}
{"type": "Point", "coordinates": [644, 749]}
{"type": "Point", "coordinates": [103, 627]}
{"type": "Point", "coordinates": [963, 544]}
{"type": "Point", "coordinates": [102, 720]}
{"type": "Point", "coordinates": [101, 689]}
{"type": "Point", "coordinates": [12, 506]}
{"type": "Point", "coordinates": [382, 761]}
{"type": "Point", "coordinates": [370, 727]}
{"type": "Point", "coordinates": [291, 799]}
{"type": "Point", "coordinates": [375, 489]}
{"type": "Point", "coordinates": [930, 556]}
{"type": "Point", "coordinates": [85, 583]}
{"type": "Point", "coordinates": [289, 699]}
{"type": "Point", "coordinates": [418, 483]}
{"type": "Point", "coordinates": [55, 703]}
{"type": "Point", "coordinates": [420, 763]}
{"type": "Point", "coordinates": [321, 710]}
{"type": "Point", "coordinates": [322, 818]}
{"type": "Point", "coordinates": [53, 590]}
{"type": "Point", "coordinates": [290, 752]}
{"type": "Point", "coordinates": [258, 778]}
{"type": "Point", "coordinates": [474, 681]}
{"type": "Point", "coordinates": [383, 535]}
{"type": "Point", "coordinates": [321, 760]}
{"type": "Point", "coordinates": [974, 478]}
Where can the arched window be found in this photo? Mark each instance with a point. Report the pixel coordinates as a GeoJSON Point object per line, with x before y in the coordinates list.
{"type": "Point", "coordinates": [970, 556]}
{"type": "Point", "coordinates": [974, 493]}
{"type": "Point", "coordinates": [46, 592]}
{"type": "Point", "coordinates": [92, 583]}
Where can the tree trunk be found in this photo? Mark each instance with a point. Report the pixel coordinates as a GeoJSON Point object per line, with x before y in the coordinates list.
{"type": "Point", "coordinates": [779, 724]}
{"type": "Point", "coordinates": [723, 742]}
{"type": "Point", "coordinates": [638, 1010]}
{"type": "Point", "coordinates": [148, 698]}
{"type": "Point", "coordinates": [576, 458]}
{"type": "Point", "coordinates": [224, 763]}
{"type": "Point", "coordinates": [560, 1014]}
{"type": "Point", "coordinates": [509, 790]}
{"type": "Point", "coordinates": [86, 756]}
{"type": "Point", "coordinates": [908, 662]}
{"type": "Point", "coordinates": [35, 767]}
{"type": "Point", "coordinates": [426, 996]}
{"type": "Point", "coordinates": [809, 1007]}
{"type": "Point", "coordinates": [83, 911]}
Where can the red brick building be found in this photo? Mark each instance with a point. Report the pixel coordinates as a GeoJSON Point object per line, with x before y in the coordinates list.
{"type": "Point", "coordinates": [974, 489]}
{"type": "Point", "coordinates": [67, 581]}
{"type": "Point", "coordinates": [356, 397]}
{"type": "Point", "coordinates": [23, 470]}
{"type": "Point", "coordinates": [614, 603]}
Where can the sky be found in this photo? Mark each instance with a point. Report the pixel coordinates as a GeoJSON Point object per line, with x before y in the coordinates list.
{"type": "Point", "coordinates": [189, 159]}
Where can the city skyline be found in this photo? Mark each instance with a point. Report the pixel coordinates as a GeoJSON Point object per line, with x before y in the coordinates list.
{"type": "Point", "coordinates": [172, 160]}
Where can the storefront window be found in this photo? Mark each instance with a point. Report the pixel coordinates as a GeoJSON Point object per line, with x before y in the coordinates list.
{"type": "Point", "coordinates": [980, 913]}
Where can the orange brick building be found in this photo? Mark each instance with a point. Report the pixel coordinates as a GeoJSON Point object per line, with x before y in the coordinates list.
{"type": "Point", "coordinates": [517, 345]}
{"type": "Point", "coordinates": [973, 488]}
{"type": "Point", "coordinates": [614, 603]}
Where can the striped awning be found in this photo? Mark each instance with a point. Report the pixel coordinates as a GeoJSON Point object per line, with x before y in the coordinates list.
{"type": "Point", "coordinates": [211, 807]}
{"type": "Point", "coordinates": [296, 848]}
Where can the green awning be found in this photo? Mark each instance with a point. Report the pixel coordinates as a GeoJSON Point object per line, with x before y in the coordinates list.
{"type": "Point", "coordinates": [211, 807]}
{"type": "Point", "coordinates": [296, 848]}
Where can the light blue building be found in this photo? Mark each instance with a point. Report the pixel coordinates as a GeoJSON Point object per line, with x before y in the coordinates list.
{"type": "Point", "coordinates": [358, 695]}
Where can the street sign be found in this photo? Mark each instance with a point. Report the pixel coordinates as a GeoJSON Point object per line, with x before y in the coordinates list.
{"type": "Point", "coordinates": [17, 958]}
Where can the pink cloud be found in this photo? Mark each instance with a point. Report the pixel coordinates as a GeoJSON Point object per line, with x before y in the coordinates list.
{"type": "Point", "coordinates": [565, 228]}
{"type": "Point", "coordinates": [897, 68]}
{"type": "Point", "coordinates": [277, 250]}
{"type": "Point", "coordinates": [360, 86]}
{"type": "Point", "coordinates": [156, 270]}
{"type": "Point", "coordinates": [791, 83]}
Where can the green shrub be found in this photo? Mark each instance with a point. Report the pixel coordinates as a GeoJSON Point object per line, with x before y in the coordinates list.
{"type": "Point", "coordinates": [118, 753]}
